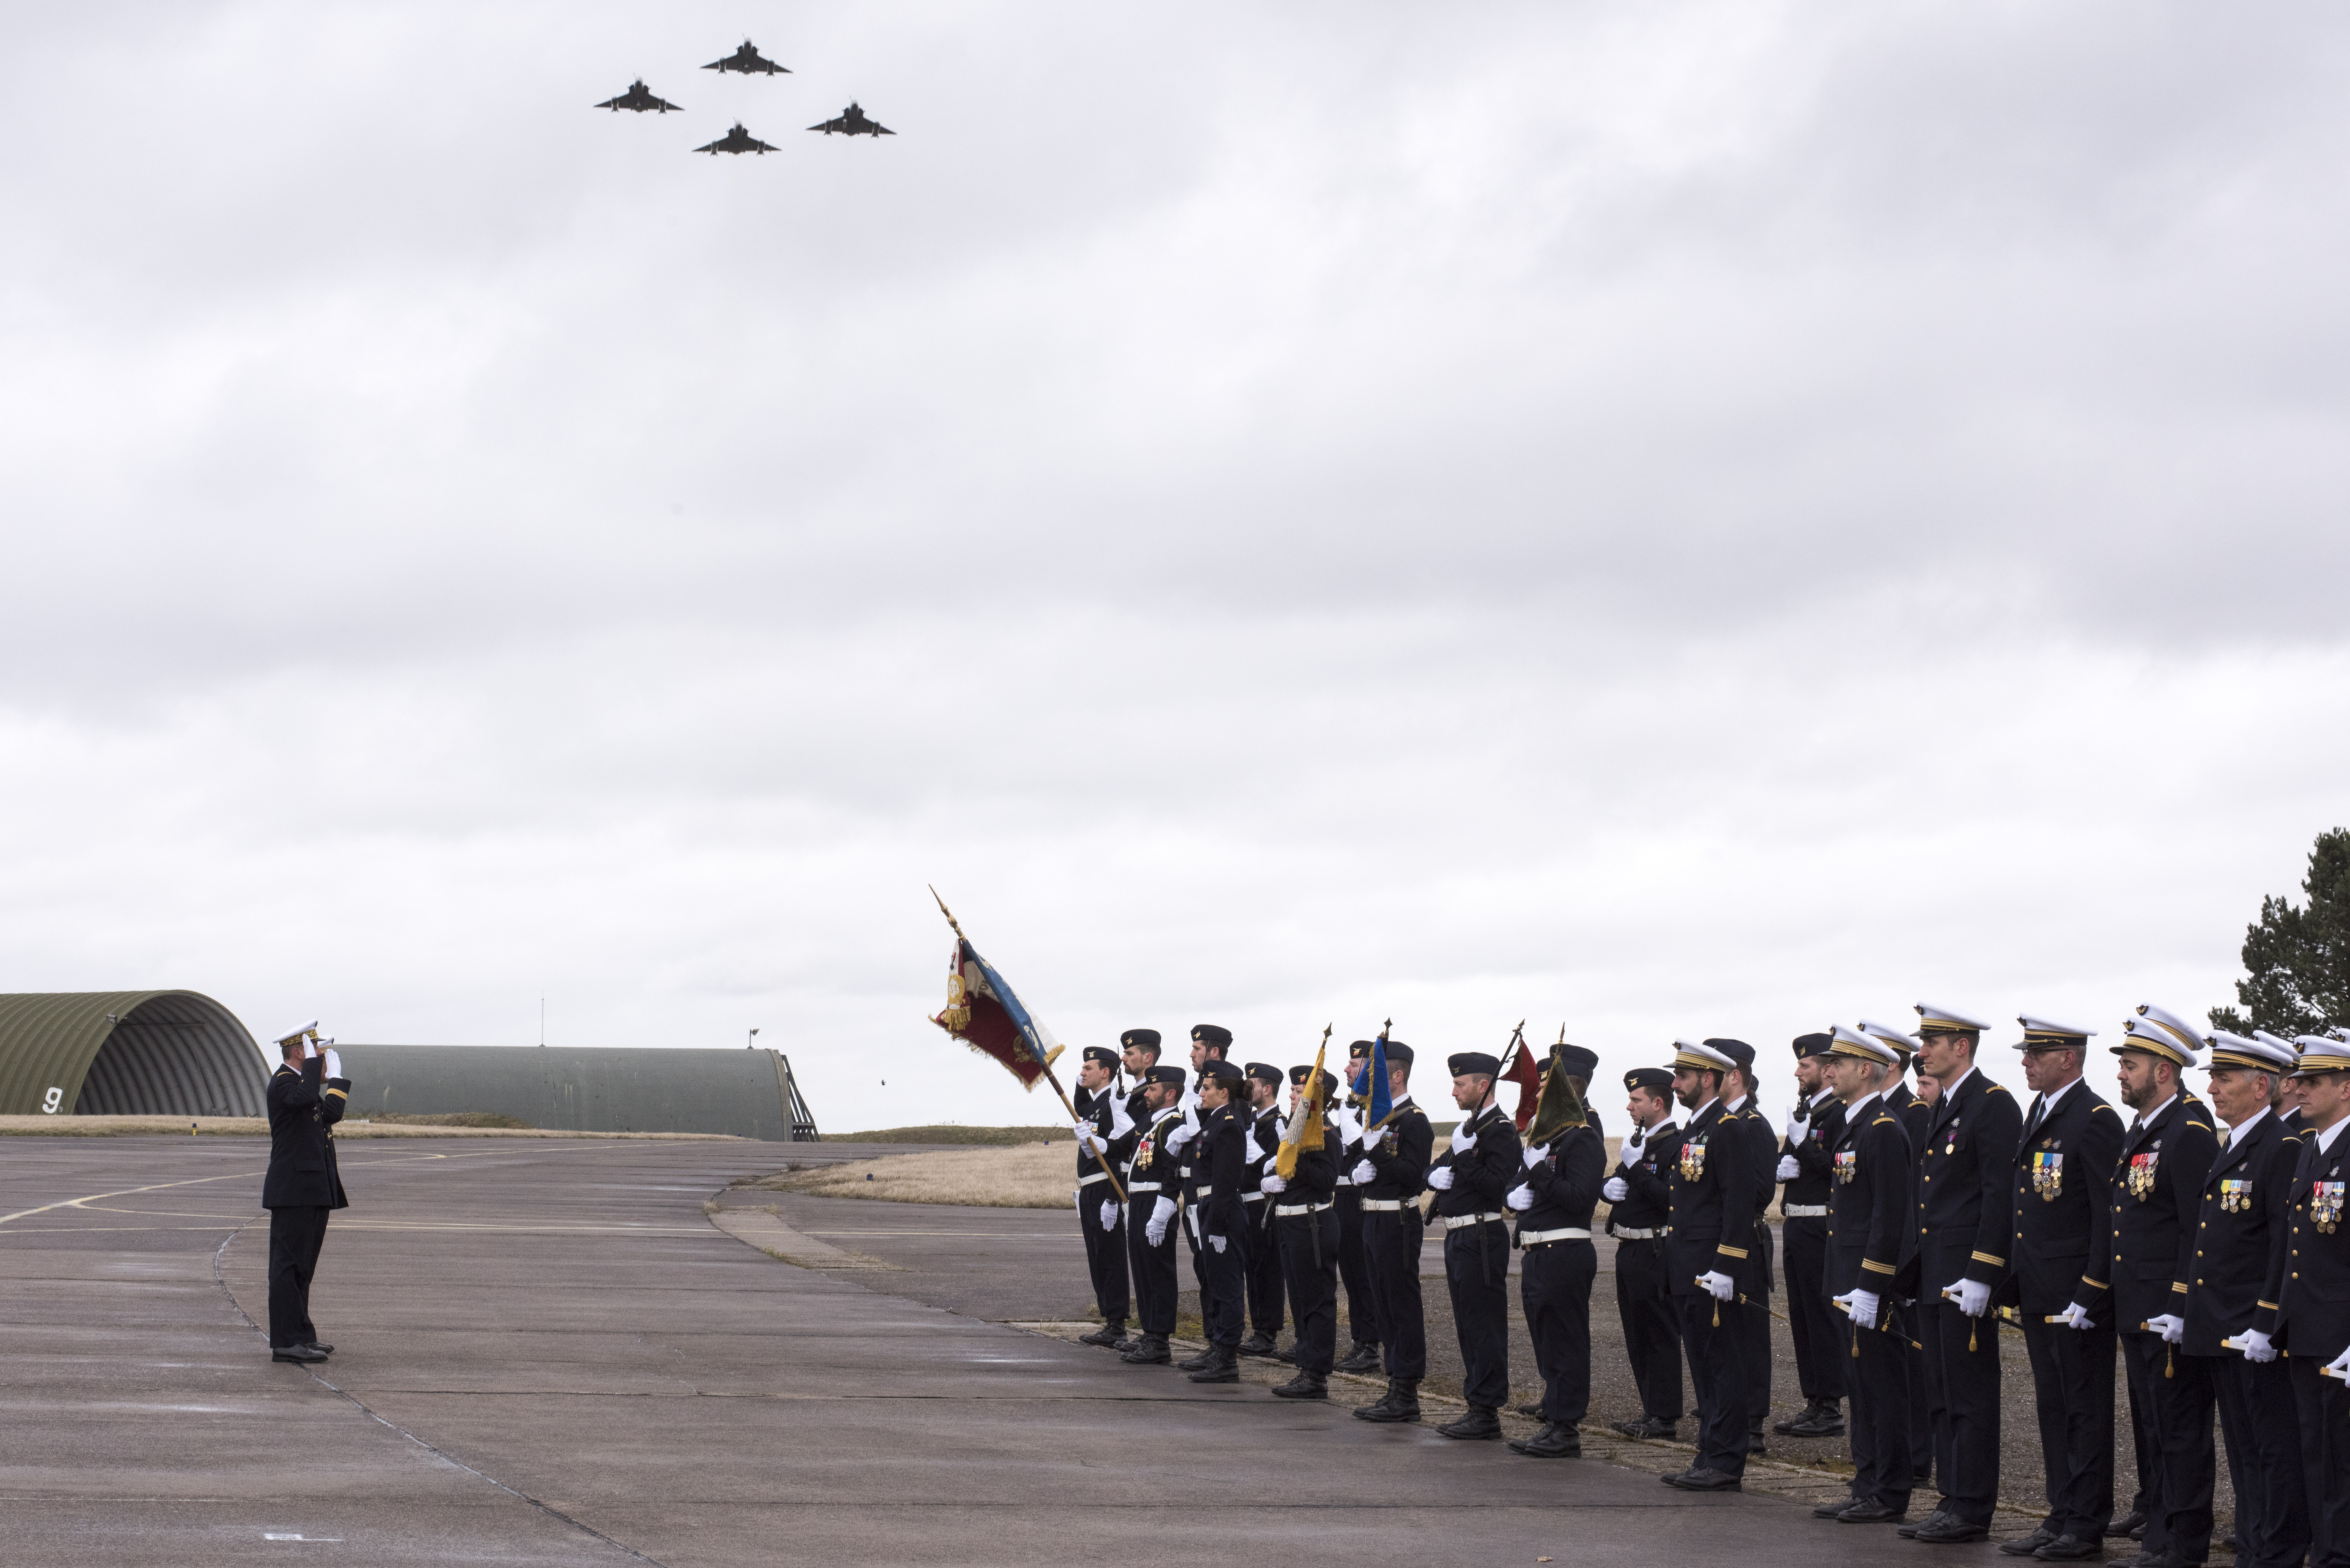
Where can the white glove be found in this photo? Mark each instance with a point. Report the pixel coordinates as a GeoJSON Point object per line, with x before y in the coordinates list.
{"type": "Point", "coordinates": [1974, 1296]}
{"type": "Point", "coordinates": [1633, 1142]}
{"type": "Point", "coordinates": [2257, 1347]}
{"type": "Point", "coordinates": [1534, 1155]}
{"type": "Point", "coordinates": [1184, 1133]}
{"type": "Point", "coordinates": [2077, 1316]}
{"type": "Point", "coordinates": [1192, 1113]}
{"type": "Point", "coordinates": [1461, 1138]}
{"type": "Point", "coordinates": [1160, 1213]}
{"type": "Point", "coordinates": [1273, 1183]}
{"type": "Point", "coordinates": [1864, 1305]}
{"type": "Point", "coordinates": [1084, 1132]}
{"type": "Point", "coordinates": [1788, 1168]}
{"type": "Point", "coordinates": [1218, 1243]}
{"type": "Point", "coordinates": [1365, 1173]}
{"type": "Point", "coordinates": [1256, 1154]}
{"type": "Point", "coordinates": [334, 1063]}
{"type": "Point", "coordinates": [1440, 1178]}
{"type": "Point", "coordinates": [1719, 1285]}
{"type": "Point", "coordinates": [309, 1048]}
{"type": "Point", "coordinates": [2172, 1329]}
{"type": "Point", "coordinates": [1615, 1190]}
{"type": "Point", "coordinates": [1520, 1198]}
{"type": "Point", "coordinates": [1120, 1124]}
{"type": "Point", "coordinates": [1110, 1213]}
{"type": "Point", "coordinates": [1799, 1128]}
{"type": "Point", "coordinates": [2340, 1365]}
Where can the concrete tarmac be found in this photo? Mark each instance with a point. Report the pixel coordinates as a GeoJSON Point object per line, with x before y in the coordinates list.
{"type": "Point", "coordinates": [548, 1354]}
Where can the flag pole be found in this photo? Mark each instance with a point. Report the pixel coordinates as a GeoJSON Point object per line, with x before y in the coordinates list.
{"type": "Point", "coordinates": [1101, 1149]}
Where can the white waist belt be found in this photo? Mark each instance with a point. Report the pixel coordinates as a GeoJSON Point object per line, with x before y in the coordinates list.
{"type": "Point", "coordinates": [1570, 1233]}
{"type": "Point", "coordinates": [1284, 1211]}
{"type": "Point", "coordinates": [1345, 1181]}
{"type": "Point", "coordinates": [1625, 1233]}
{"type": "Point", "coordinates": [1381, 1205]}
{"type": "Point", "coordinates": [1459, 1222]}
{"type": "Point", "coordinates": [1142, 1187]}
{"type": "Point", "coordinates": [1089, 1180]}
{"type": "Point", "coordinates": [1804, 1211]}
{"type": "Point", "coordinates": [1251, 1197]}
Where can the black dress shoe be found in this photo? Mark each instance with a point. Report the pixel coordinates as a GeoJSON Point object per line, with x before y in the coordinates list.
{"type": "Point", "coordinates": [1553, 1442]}
{"type": "Point", "coordinates": [1259, 1343]}
{"type": "Point", "coordinates": [2071, 1549]}
{"type": "Point", "coordinates": [1868, 1511]}
{"type": "Point", "coordinates": [1305, 1386]}
{"type": "Point", "coordinates": [1363, 1357]}
{"type": "Point", "coordinates": [2132, 1524]}
{"type": "Point", "coordinates": [1834, 1510]}
{"type": "Point", "coordinates": [1479, 1422]}
{"type": "Point", "coordinates": [1702, 1479]}
{"type": "Point", "coordinates": [1951, 1531]}
{"type": "Point", "coordinates": [297, 1353]}
{"type": "Point", "coordinates": [1648, 1426]}
{"type": "Point", "coordinates": [2027, 1545]}
{"type": "Point", "coordinates": [1108, 1333]}
{"type": "Point", "coordinates": [1909, 1532]}
{"type": "Point", "coordinates": [322, 1349]}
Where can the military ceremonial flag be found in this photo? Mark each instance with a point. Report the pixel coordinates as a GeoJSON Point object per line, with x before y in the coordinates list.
{"type": "Point", "coordinates": [1378, 1103]}
{"type": "Point", "coordinates": [1304, 1130]}
{"type": "Point", "coordinates": [1520, 1069]}
{"type": "Point", "coordinates": [1558, 1107]}
{"type": "Point", "coordinates": [983, 1013]}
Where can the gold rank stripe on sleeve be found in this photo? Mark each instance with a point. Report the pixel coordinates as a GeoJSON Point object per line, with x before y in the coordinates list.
{"type": "Point", "coordinates": [2095, 1284]}
{"type": "Point", "coordinates": [2266, 1306]}
{"type": "Point", "coordinates": [338, 1093]}
{"type": "Point", "coordinates": [1731, 1251]}
{"type": "Point", "coordinates": [2179, 1286]}
{"type": "Point", "coordinates": [1987, 1258]}
{"type": "Point", "coordinates": [1874, 1267]}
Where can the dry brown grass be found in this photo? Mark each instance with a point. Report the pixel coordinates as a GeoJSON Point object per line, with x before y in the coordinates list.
{"type": "Point", "coordinates": [258, 1127]}
{"type": "Point", "coordinates": [1031, 1176]}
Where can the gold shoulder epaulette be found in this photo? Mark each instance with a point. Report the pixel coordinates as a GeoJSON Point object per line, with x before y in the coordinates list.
{"type": "Point", "coordinates": [1998, 1089]}
{"type": "Point", "coordinates": [2102, 1106]}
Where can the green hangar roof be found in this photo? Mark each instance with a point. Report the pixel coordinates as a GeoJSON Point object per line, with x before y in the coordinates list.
{"type": "Point", "coordinates": [127, 1052]}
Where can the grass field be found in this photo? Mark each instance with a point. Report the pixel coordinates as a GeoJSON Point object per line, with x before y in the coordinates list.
{"type": "Point", "coordinates": [256, 1127]}
{"type": "Point", "coordinates": [949, 1134]}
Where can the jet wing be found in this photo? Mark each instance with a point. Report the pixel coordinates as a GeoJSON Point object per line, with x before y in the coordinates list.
{"type": "Point", "coordinates": [831, 126]}
{"type": "Point", "coordinates": [662, 104]}
{"type": "Point", "coordinates": [758, 146]}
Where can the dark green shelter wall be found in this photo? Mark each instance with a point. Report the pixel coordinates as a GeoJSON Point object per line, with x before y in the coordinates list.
{"type": "Point", "coordinates": [578, 1089]}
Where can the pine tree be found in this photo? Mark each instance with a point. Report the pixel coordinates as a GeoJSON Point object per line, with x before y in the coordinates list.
{"type": "Point", "coordinates": [2298, 959]}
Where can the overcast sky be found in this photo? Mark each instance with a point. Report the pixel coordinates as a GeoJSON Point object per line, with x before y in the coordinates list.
{"type": "Point", "coordinates": [1693, 519]}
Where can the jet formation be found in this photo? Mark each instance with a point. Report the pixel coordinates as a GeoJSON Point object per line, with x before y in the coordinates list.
{"type": "Point", "coordinates": [747, 61]}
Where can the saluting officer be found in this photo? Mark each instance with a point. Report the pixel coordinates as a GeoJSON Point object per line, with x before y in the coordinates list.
{"type": "Point", "coordinates": [1966, 1174]}
{"type": "Point", "coordinates": [1262, 1123]}
{"type": "Point", "coordinates": [1104, 1132]}
{"type": "Point", "coordinates": [1554, 1203]}
{"type": "Point", "coordinates": [1392, 1171]}
{"type": "Point", "coordinates": [2309, 1281]}
{"type": "Point", "coordinates": [306, 1097]}
{"type": "Point", "coordinates": [1641, 1212]}
{"type": "Point", "coordinates": [1305, 1231]}
{"type": "Point", "coordinates": [1712, 1239]}
{"type": "Point", "coordinates": [2158, 1189]}
{"type": "Point", "coordinates": [2061, 1207]}
{"type": "Point", "coordinates": [1471, 1177]}
{"type": "Point", "coordinates": [1151, 1192]}
{"type": "Point", "coordinates": [1868, 1199]}
{"type": "Point", "coordinates": [2246, 1207]}
{"type": "Point", "coordinates": [1805, 1161]}
{"type": "Point", "coordinates": [1738, 1096]}
{"type": "Point", "coordinates": [1362, 1318]}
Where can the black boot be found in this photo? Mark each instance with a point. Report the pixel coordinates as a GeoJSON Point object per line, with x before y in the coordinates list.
{"type": "Point", "coordinates": [1149, 1350]}
{"type": "Point", "coordinates": [1108, 1333]}
{"type": "Point", "coordinates": [1287, 1354]}
{"type": "Point", "coordinates": [1223, 1366]}
{"type": "Point", "coordinates": [1383, 1408]}
{"type": "Point", "coordinates": [1401, 1402]}
{"type": "Point", "coordinates": [1305, 1386]}
{"type": "Point", "coordinates": [1479, 1422]}
{"type": "Point", "coordinates": [1553, 1442]}
{"type": "Point", "coordinates": [1258, 1343]}
{"type": "Point", "coordinates": [1198, 1362]}
{"type": "Point", "coordinates": [1363, 1357]}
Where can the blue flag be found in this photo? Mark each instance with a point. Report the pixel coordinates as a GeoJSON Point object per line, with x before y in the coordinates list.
{"type": "Point", "coordinates": [1382, 1103]}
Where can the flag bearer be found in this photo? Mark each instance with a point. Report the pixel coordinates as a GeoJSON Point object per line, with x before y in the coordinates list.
{"type": "Point", "coordinates": [1305, 1231]}
{"type": "Point", "coordinates": [1104, 1132]}
{"type": "Point", "coordinates": [1471, 1177]}
{"type": "Point", "coordinates": [1554, 1203]}
{"type": "Point", "coordinates": [1354, 1271]}
{"type": "Point", "coordinates": [1391, 1173]}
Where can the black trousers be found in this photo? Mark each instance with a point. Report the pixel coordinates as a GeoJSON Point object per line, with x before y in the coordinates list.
{"type": "Point", "coordinates": [1307, 1247]}
{"type": "Point", "coordinates": [295, 1237]}
{"type": "Point", "coordinates": [2263, 1432]}
{"type": "Point", "coordinates": [1756, 1323]}
{"type": "Point", "coordinates": [1878, 1424]}
{"type": "Point", "coordinates": [1223, 1286]}
{"type": "Point", "coordinates": [1105, 1254]}
{"type": "Point", "coordinates": [1362, 1317]}
{"type": "Point", "coordinates": [2072, 1395]}
{"type": "Point", "coordinates": [2145, 1449]}
{"type": "Point", "coordinates": [2178, 1390]}
{"type": "Point", "coordinates": [1715, 1341]}
{"type": "Point", "coordinates": [1155, 1290]}
{"type": "Point", "coordinates": [1816, 1326]}
{"type": "Point", "coordinates": [1391, 1253]}
{"type": "Point", "coordinates": [1966, 1457]}
{"type": "Point", "coordinates": [1925, 1415]}
{"type": "Point", "coordinates": [1652, 1326]}
{"type": "Point", "coordinates": [1554, 1288]}
{"type": "Point", "coordinates": [1477, 1272]}
{"type": "Point", "coordinates": [2324, 1404]}
{"type": "Point", "coordinates": [1263, 1271]}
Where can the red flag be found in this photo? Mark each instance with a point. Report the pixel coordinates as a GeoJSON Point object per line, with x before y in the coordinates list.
{"type": "Point", "coordinates": [982, 1012]}
{"type": "Point", "coordinates": [1523, 1071]}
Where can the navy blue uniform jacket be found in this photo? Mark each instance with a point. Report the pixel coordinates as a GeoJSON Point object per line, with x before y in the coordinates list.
{"type": "Point", "coordinates": [302, 1107]}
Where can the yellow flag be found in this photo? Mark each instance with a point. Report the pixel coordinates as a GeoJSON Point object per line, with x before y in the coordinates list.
{"type": "Point", "coordinates": [1305, 1126]}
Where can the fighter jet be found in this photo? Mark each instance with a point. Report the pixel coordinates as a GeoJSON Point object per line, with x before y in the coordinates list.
{"type": "Point", "coordinates": [638, 98]}
{"type": "Point", "coordinates": [749, 61]}
{"type": "Point", "coordinates": [736, 140]}
{"type": "Point", "coordinates": [853, 121]}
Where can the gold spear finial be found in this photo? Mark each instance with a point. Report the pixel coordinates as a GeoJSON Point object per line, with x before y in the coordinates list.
{"type": "Point", "coordinates": [947, 913]}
